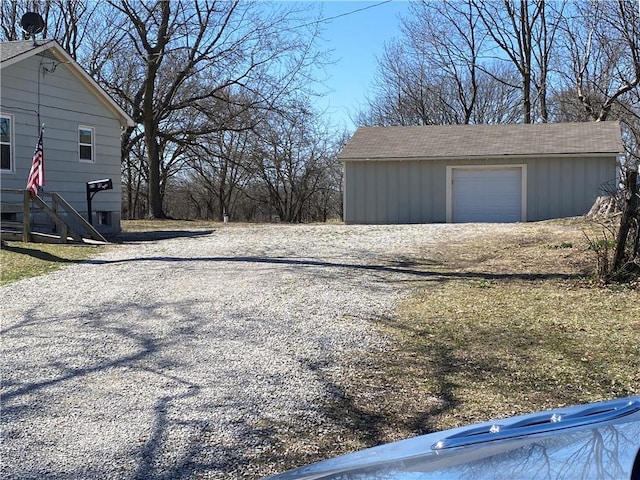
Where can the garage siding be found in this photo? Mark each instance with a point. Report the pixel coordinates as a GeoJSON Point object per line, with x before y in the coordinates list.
{"type": "Point", "coordinates": [566, 188]}
{"type": "Point", "coordinates": [414, 191]}
{"type": "Point", "coordinates": [381, 192]}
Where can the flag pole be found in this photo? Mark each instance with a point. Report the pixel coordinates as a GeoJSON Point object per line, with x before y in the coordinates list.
{"type": "Point", "coordinates": [35, 180]}
{"type": "Point", "coordinates": [42, 153]}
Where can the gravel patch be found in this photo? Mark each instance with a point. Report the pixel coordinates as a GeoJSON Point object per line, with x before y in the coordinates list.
{"type": "Point", "coordinates": [180, 358]}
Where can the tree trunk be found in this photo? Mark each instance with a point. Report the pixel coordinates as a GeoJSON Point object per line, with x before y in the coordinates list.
{"type": "Point", "coordinates": [155, 196]}
{"type": "Point", "coordinates": [628, 211]}
{"type": "Point", "coordinates": [526, 97]}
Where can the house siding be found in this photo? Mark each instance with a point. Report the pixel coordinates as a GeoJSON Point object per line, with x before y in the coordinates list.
{"type": "Point", "coordinates": [65, 102]}
{"type": "Point", "coordinates": [414, 191]}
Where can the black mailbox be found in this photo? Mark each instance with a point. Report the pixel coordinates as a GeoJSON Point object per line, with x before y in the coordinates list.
{"type": "Point", "coordinates": [99, 185]}
{"type": "Point", "coordinates": [94, 187]}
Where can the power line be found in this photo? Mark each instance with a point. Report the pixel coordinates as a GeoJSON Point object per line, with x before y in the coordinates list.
{"type": "Point", "coordinates": [328, 19]}
{"type": "Point", "coordinates": [353, 11]}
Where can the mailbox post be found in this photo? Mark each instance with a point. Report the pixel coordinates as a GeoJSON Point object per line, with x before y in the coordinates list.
{"type": "Point", "coordinates": [94, 187]}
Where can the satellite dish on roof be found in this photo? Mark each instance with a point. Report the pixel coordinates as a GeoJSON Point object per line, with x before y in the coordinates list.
{"type": "Point", "coordinates": [32, 23]}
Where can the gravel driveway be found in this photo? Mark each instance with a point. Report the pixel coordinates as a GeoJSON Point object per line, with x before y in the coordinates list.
{"type": "Point", "coordinates": [179, 358]}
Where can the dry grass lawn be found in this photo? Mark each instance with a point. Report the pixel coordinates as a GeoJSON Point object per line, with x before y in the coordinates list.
{"type": "Point", "coordinates": [151, 225]}
{"type": "Point", "coordinates": [23, 260]}
{"type": "Point", "coordinates": [513, 324]}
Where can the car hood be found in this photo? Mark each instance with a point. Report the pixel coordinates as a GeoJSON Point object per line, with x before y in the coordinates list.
{"type": "Point", "coordinates": [593, 441]}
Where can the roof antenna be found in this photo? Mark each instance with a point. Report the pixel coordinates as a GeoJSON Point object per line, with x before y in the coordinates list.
{"type": "Point", "coordinates": [32, 23]}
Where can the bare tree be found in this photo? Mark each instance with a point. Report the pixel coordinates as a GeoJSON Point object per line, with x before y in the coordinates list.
{"type": "Point", "coordinates": [446, 34]}
{"type": "Point", "coordinates": [10, 20]}
{"type": "Point", "coordinates": [405, 93]}
{"type": "Point", "coordinates": [524, 31]}
{"type": "Point", "coordinates": [440, 71]}
{"type": "Point", "coordinates": [291, 159]}
{"type": "Point", "coordinates": [284, 166]}
{"type": "Point", "coordinates": [497, 100]}
{"type": "Point", "coordinates": [182, 54]}
{"type": "Point", "coordinates": [604, 45]}
{"type": "Point", "coordinates": [64, 20]}
{"type": "Point", "coordinates": [429, 75]}
{"type": "Point", "coordinates": [545, 34]}
{"type": "Point", "coordinates": [221, 166]}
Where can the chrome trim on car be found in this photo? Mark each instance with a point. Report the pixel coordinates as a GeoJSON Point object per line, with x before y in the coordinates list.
{"type": "Point", "coordinates": [541, 423]}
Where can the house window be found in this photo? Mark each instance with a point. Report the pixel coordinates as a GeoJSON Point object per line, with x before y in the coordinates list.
{"type": "Point", "coordinates": [9, 217]}
{"type": "Point", "coordinates": [86, 137]}
{"type": "Point", "coordinates": [6, 142]}
{"type": "Point", "coordinates": [103, 218]}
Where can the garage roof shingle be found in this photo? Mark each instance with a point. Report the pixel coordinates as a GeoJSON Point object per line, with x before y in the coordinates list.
{"type": "Point", "coordinates": [463, 141]}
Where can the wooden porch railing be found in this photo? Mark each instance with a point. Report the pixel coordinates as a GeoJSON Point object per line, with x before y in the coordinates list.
{"type": "Point", "coordinates": [64, 231]}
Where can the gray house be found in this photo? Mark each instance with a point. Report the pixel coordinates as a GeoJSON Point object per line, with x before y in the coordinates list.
{"type": "Point", "coordinates": [41, 83]}
{"type": "Point", "coordinates": [477, 173]}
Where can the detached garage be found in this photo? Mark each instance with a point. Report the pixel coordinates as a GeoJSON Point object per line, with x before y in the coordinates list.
{"type": "Point", "coordinates": [477, 173]}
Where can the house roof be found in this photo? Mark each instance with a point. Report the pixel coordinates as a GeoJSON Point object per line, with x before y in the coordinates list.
{"type": "Point", "coordinates": [14, 52]}
{"type": "Point", "coordinates": [11, 50]}
{"type": "Point", "coordinates": [464, 141]}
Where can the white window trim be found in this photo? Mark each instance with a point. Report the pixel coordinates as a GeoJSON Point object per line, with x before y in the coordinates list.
{"type": "Point", "coordinates": [92, 145]}
{"type": "Point", "coordinates": [12, 143]}
{"type": "Point", "coordinates": [449, 189]}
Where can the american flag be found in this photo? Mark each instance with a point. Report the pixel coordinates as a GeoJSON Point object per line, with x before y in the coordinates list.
{"type": "Point", "coordinates": [36, 175]}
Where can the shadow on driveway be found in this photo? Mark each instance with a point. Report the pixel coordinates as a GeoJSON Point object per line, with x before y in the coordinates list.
{"type": "Point", "coordinates": [134, 237]}
{"type": "Point", "coordinates": [423, 274]}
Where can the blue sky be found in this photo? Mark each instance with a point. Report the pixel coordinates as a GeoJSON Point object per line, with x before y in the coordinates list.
{"type": "Point", "coordinates": [357, 40]}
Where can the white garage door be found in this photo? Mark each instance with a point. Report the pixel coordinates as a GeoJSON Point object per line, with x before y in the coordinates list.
{"type": "Point", "coordinates": [487, 194]}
